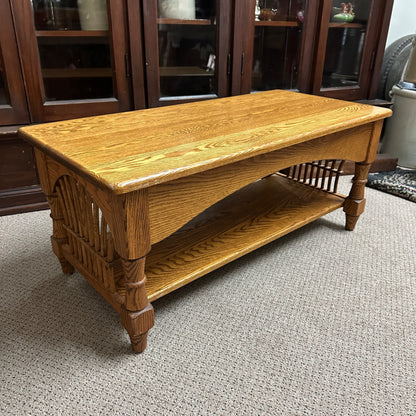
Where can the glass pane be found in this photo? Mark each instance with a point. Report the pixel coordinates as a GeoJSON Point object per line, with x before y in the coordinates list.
{"type": "Point", "coordinates": [277, 44]}
{"type": "Point", "coordinates": [74, 49]}
{"type": "Point", "coordinates": [70, 14]}
{"type": "Point", "coordinates": [347, 30]}
{"type": "Point", "coordinates": [4, 95]}
{"type": "Point", "coordinates": [76, 67]}
{"type": "Point", "coordinates": [187, 37]}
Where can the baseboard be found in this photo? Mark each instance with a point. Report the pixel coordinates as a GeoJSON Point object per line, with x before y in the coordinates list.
{"type": "Point", "coordinates": [24, 199]}
{"type": "Point", "coordinates": [383, 163]}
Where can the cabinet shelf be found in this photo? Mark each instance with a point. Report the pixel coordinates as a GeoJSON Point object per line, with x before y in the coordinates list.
{"type": "Point", "coordinates": [203, 22]}
{"type": "Point", "coordinates": [346, 25]}
{"type": "Point", "coordinates": [72, 33]}
{"type": "Point", "coordinates": [248, 219]}
{"type": "Point", "coordinates": [184, 71]}
{"type": "Point", "coordinates": [77, 73]}
{"type": "Point", "coordinates": [278, 23]}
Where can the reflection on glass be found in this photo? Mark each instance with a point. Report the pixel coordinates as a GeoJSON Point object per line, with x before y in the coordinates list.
{"type": "Point", "coordinates": [70, 14]}
{"type": "Point", "coordinates": [344, 49]}
{"type": "Point", "coordinates": [93, 14]}
{"type": "Point", "coordinates": [76, 67]}
{"type": "Point", "coordinates": [279, 10]}
{"type": "Point", "coordinates": [187, 47]}
{"type": "Point", "coordinates": [56, 14]}
{"type": "Point", "coordinates": [277, 44]}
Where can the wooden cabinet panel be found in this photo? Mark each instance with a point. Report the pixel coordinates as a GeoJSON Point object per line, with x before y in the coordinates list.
{"type": "Point", "coordinates": [17, 165]}
{"type": "Point", "coordinates": [19, 183]}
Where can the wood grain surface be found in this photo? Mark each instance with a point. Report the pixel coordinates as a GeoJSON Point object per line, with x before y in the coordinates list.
{"type": "Point", "coordinates": [256, 215]}
{"type": "Point", "coordinates": [133, 150]}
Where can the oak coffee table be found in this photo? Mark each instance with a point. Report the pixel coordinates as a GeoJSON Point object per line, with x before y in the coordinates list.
{"type": "Point", "coordinates": [144, 202]}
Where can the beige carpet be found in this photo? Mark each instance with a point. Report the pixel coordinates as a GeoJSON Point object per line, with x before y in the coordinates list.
{"type": "Point", "coordinates": [321, 322]}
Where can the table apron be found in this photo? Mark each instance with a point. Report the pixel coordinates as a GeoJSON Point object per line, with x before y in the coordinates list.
{"type": "Point", "coordinates": [173, 204]}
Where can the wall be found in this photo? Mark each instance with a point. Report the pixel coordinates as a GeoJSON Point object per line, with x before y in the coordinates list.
{"type": "Point", "coordinates": [403, 20]}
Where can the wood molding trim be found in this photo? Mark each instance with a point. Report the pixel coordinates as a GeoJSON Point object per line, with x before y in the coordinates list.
{"type": "Point", "coordinates": [24, 199]}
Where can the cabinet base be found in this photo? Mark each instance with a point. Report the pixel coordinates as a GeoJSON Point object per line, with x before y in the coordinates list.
{"type": "Point", "coordinates": [20, 200]}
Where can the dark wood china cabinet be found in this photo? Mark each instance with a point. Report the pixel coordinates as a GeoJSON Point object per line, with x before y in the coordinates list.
{"type": "Point", "coordinates": [62, 59]}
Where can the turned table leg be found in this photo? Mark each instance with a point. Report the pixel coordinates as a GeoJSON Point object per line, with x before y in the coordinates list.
{"type": "Point", "coordinates": [137, 313]}
{"type": "Point", "coordinates": [131, 232]}
{"type": "Point", "coordinates": [355, 202]}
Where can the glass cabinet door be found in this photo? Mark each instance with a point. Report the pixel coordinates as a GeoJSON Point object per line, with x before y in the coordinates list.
{"type": "Point", "coordinates": [70, 64]}
{"type": "Point", "coordinates": [187, 49]}
{"type": "Point", "coordinates": [346, 54]}
{"type": "Point", "coordinates": [75, 58]}
{"type": "Point", "coordinates": [278, 36]}
{"type": "Point", "coordinates": [13, 106]}
{"type": "Point", "coordinates": [344, 48]}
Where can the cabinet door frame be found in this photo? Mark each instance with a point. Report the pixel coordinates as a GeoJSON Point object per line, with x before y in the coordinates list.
{"type": "Point", "coordinates": [16, 112]}
{"type": "Point", "coordinates": [135, 33]}
{"type": "Point", "coordinates": [42, 110]}
{"type": "Point", "coordinates": [223, 53]}
{"type": "Point", "coordinates": [308, 47]}
{"type": "Point", "coordinates": [373, 49]}
{"type": "Point", "coordinates": [243, 47]}
{"type": "Point", "coordinates": [386, 8]}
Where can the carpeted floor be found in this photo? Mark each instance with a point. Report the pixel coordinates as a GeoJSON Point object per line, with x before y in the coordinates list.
{"type": "Point", "coordinates": [320, 322]}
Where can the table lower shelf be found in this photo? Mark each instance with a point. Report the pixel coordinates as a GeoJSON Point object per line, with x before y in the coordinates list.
{"type": "Point", "coordinates": [251, 217]}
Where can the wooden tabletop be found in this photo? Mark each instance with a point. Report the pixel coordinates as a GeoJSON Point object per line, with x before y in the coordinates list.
{"type": "Point", "coordinates": [138, 149]}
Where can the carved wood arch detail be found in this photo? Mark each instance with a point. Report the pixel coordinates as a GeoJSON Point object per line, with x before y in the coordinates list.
{"type": "Point", "coordinates": [89, 235]}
